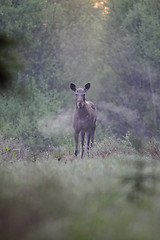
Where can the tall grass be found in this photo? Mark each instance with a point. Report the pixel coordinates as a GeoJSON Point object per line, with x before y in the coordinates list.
{"type": "Point", "coordinates": [82, 199]}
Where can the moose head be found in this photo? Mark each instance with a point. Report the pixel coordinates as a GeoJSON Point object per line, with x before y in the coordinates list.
{"type": "Point", "coordinates": [80, 94]}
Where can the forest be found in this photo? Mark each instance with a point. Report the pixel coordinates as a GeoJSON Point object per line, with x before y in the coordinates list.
{"type": "Point", "coordinates": [44, 46]}
{"type": "Point", "coordinates": [115, 46]}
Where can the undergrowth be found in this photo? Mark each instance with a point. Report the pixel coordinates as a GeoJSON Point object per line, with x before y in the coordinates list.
{"type": "Point", "coordinates": [95, 199]}
{"type": "Point", "coordinates": [12, 149]}
{"type": "Point", "coordinates": [53, 195]}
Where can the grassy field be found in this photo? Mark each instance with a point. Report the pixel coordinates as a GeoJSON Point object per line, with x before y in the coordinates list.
{"type": "Point", "coordinates": [116, 197]}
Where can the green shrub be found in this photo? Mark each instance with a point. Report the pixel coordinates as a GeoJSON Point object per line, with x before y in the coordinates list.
{"type": "Point", "coordinates": [20, 114]}
{"type": "Point", "coordinates": [111, 145]}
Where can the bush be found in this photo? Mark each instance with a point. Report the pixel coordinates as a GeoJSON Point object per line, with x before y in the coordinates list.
{"type": "Point", "coordinates": [20, 114]}
{"type": "Point", "coordinates": [111, 146]}
{"type": "Point", "coordinates": [36, 209]}
{"type": "Point", "coordinates": [151, 147]}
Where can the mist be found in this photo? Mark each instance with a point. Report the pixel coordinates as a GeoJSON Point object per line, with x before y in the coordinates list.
{"type": "Point", "coordinates": [61, 124]}
{"type": "Point", "coordinates": [79, 47]}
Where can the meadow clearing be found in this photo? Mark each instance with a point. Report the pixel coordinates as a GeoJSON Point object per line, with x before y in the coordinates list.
{"type": "Point", "coordinates": [112, 197]}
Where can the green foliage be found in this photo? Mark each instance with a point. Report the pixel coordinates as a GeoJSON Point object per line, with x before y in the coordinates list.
{"type": "Point", "coordinates": [151, 147]}
{"type": "Point", "coordinates": [126, 141]}
{"type": "Point", "coordinates": [142, 181]}
{"type": "Point", "coordinates": [64, 41]}
{"type": "Point", "coordinates": [40, 33]}
{"type": "Point", "coordinates": [9, 62]}
{"type": "Point", "coordinates": [32, 207]}
{"type": "Point", "coordinates": [131, 43]}
{"type": "Point", "coordinates": [57, 47]}
{"type": "Point", "coordinates": [72, 41]}
{"type": "Point", "coordinates": [56, 36]}
{"type": "Point", "coordinates": [112, 146]}
{"type": "Point", "coordinates": [20, 115]}
{"type": "Point", "coordinates": [79, 200]}
{"type": "Point", "coordinates": [58, 153]}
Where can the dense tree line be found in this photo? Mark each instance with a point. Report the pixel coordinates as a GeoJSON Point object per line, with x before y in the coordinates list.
{"type": "Point", "coordinates": [132, 42]}
{"type": "Point", "coordinates": [63, 41]}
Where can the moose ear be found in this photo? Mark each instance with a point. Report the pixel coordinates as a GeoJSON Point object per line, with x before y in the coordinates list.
{"type": "Point", "coordinates": [87, 86]}
{"type": "Point", "coordinates": [73, 87]}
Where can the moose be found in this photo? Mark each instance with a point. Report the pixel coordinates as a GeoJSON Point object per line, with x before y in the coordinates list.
{"type": "Point", "coordinates": [84, 119]}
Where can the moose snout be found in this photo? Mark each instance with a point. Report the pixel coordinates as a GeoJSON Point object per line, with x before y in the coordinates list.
{"type": "Point", "coordinates": [80, 103]}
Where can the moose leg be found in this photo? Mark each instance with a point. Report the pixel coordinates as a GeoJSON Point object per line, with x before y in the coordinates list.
{"type": "Point", "coordinates": [92, 141]}
{"type": "Point", "coordinates": [82, 144]}
{"type": "Point", "coordinates": [76, 136]}
{"type": "Point", "coordinates": [88, 141]}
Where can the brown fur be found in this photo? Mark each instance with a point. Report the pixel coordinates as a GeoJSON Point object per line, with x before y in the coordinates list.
{"type": "Point", "coordinates": [84, 119]}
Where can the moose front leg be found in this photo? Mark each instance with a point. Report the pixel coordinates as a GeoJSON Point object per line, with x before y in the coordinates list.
{"type": "Point", "coordinates": [76, 136]}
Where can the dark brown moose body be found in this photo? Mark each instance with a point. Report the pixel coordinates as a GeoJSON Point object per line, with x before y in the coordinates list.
{"type": "Point", "coordinates": [84, 119]}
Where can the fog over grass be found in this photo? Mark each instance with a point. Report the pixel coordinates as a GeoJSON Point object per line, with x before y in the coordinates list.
{"type": "Point", "coordinates": [60, 124]}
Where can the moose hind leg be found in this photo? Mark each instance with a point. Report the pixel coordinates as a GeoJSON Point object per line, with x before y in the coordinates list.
{"type": "Point", "coordinates": [82, 144]}
{"type": "Point", "coordinates": [92, 141]}
{"type": "Point", "coordinates": [76, 136]}
{"type": "Point", "coordinates": [88, 141]}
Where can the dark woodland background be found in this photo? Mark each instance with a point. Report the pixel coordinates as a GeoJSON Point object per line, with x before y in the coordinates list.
{"type": "Point", "coordinates": [45, 45]}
